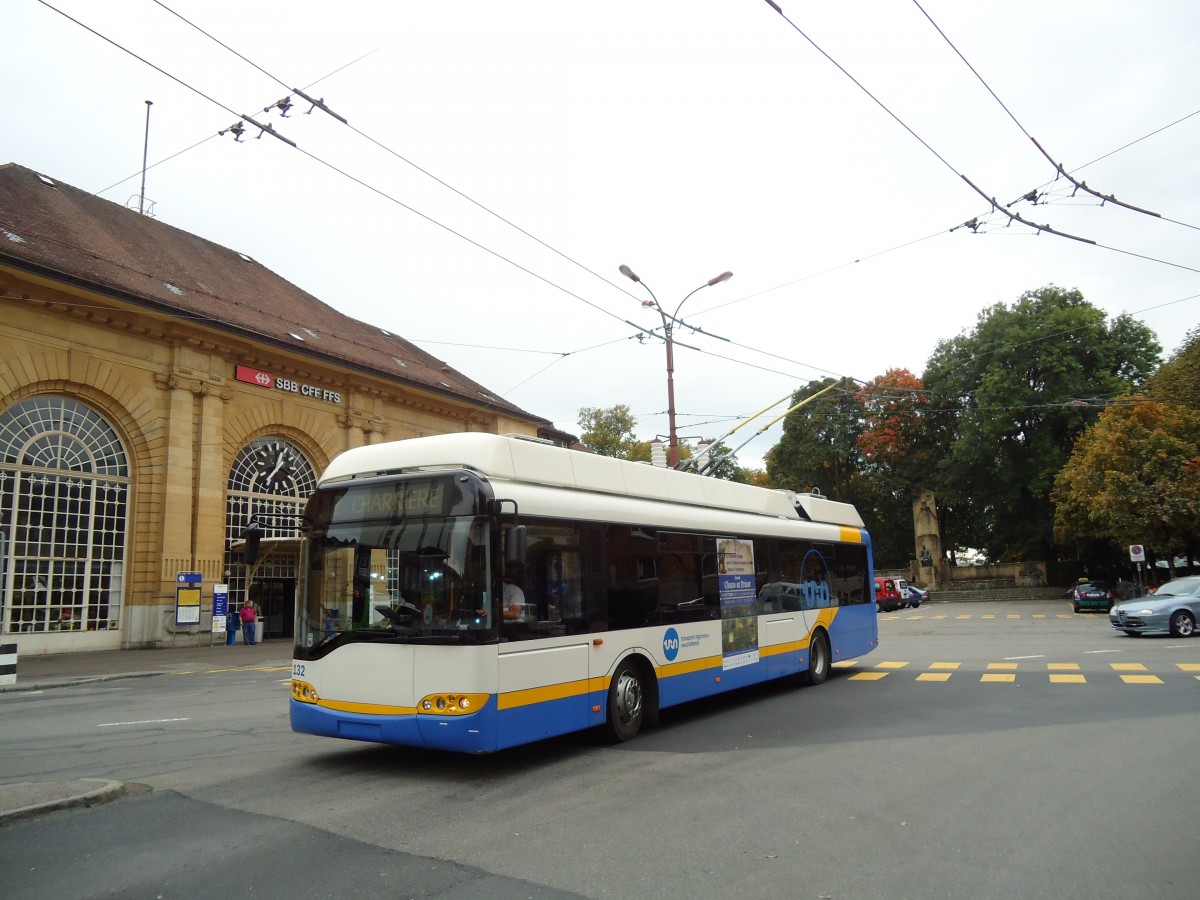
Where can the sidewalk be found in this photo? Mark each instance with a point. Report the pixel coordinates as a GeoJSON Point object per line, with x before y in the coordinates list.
{"type": "Point", "coordinates": [39, 673]}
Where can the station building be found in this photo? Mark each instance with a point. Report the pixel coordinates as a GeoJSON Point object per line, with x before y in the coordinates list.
{"type": "Point", "coordinates": [156, 389]}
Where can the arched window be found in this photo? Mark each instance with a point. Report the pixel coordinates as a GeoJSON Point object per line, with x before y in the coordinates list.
{"type": "Point", "coordinates": [270, 478]}
{"type": "Point", "coordinates": [64, 504]}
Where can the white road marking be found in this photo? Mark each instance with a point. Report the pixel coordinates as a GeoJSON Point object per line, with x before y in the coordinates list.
{"type": "Point", "coordinates": [142, 722]}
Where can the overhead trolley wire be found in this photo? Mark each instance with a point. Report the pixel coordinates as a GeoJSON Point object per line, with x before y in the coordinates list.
{"type": "Point", "coordinates": [409, 162]}
{"type": "Point", "coordinates": [641, 330]}
{"type": "Point", "coordinates": [268, 128]}
{"type": "Point", "coordinates": [1079, 185]}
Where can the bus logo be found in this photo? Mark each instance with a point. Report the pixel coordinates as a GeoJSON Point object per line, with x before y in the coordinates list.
{"type": "Point", "coordinates": [671, 644]}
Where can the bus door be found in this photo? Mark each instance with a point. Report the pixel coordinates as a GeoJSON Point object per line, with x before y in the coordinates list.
{"type": "Point", "coordinates": [544, 657]}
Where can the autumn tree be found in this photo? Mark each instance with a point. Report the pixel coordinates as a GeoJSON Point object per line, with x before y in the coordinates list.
{"type": "Point", "coordinates": [893, 417]}
{"type": "Point", "coordinates": [1178, 379]}
{"type": "Point", "coordinates": [895, 460]}
{"type": "Point", "coordinates": [1134, 478]}
{"type": "Point", "coordinates": [1004, 414]}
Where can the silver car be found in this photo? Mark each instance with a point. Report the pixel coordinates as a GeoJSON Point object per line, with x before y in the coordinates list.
{"type": "Point", "coordinates": [1173, 609]}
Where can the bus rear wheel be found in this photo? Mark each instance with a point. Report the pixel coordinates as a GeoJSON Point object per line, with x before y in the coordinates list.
{"type": "Point", "coordinates": [818, 658]}
{"type": "Point", "coordinates": [627, 697]}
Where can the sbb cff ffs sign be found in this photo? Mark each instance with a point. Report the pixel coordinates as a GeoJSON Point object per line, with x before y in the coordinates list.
{"type": "Point", "coordinates": [267, 380]}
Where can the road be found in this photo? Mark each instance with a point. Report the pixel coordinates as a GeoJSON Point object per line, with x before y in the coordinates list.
{"type": "Point", "coordinates": [1002, 750]}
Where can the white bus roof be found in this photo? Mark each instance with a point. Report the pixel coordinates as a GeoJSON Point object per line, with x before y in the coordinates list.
{"type": "Point", "coordinates": [528, 461]}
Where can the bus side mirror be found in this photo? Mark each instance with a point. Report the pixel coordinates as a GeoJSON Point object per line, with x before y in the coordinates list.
{"type": "Point", "coordinates": [516, 543]}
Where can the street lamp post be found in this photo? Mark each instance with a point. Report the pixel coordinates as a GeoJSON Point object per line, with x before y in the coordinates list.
{"type": "Point", "coordinates": [668, 322]}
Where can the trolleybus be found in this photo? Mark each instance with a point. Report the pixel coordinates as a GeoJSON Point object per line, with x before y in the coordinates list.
{"type": "Point", "coordinates": [473, 592]}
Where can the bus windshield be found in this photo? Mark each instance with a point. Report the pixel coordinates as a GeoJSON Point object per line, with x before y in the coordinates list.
{"type": "Point", "coordinates": [383, 565]}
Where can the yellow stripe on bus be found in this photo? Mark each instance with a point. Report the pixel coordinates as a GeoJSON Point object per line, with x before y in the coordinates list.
{"type": "Point", "coordinates": [688, 666]}
{"type": "Point", "coordinates": [530, 696]}
{"type": "Point", "coordinates": [368, 709]}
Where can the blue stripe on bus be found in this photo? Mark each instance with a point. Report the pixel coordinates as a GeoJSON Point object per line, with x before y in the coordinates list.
{"type": "Point", "coordinates": [491, 729]}
{"type": "Point", "coordinates": [472, 733]}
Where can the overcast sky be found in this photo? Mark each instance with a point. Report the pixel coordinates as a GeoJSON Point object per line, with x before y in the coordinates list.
{"type": "Point", "coordinates": [682, 139]}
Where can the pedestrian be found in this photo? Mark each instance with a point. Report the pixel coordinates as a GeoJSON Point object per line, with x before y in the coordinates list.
{"type": "Point", "coordinates": [248, 617]}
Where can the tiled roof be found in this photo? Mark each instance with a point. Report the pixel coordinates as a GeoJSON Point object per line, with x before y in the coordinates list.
{"type": "Point", "coordinates": [50, 226]}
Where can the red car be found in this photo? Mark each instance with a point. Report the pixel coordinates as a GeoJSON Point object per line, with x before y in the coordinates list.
{"type": "Point", "coordinates": [888, 596]}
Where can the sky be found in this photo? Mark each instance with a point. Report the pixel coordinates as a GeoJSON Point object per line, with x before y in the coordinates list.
{"type": "Point", "coordinates": [501, 159]}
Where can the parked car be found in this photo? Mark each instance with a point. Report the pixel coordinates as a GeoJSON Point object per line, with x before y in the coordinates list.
{"type": "Point", "coordinates": [1091, 595]}
{"type": "Point", "coordinates": [916, 596]}
{"type": "Point", "coordinates": [887, 594]}
{"type": "Point", "coordinates": [1173, 609]}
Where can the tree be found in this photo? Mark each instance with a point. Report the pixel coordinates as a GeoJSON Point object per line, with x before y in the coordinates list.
{"type": "Point", "coordinates": [609, 432]}
{"type": "Point", "coordinates": [818, 448]}
{"type": "Point", "coordinates": [1005, 412]}
{"type": "Point", "coordinates": [1178, 380]}
{"type": "Point", "coordinates": [891, 441]}
{"type": "Point", "coordinates": [1134, 478]}
{"type": "Point", "coordinates": [822, 448]}
{"type": "Point", "coordinates": [895, 460]}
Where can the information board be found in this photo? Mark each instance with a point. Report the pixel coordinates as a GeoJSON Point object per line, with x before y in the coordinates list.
{"type": "Point", "coordinates": [220, 607]}
{"type": "Point", "coordinates": [187, 606]}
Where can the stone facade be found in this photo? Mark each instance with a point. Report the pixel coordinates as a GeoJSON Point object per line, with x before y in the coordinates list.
{"type": "Point", "coordinates": [202, 410]}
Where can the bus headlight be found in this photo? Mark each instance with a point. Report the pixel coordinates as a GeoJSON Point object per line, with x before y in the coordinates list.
{"type": "Point", "coordinates": [451, 704]}
{"type": "Point", "coordinates": [303, 692]}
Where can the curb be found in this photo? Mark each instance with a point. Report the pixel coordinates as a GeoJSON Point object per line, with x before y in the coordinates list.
{"type": "Point", "coordinates": [39, 797]}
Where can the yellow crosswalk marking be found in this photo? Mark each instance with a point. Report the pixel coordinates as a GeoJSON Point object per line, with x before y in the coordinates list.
{"type": "Point", "coordinates": [1005, 672]}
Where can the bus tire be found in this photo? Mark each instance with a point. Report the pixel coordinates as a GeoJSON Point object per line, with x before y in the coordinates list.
{"type": "Point", "coordinates": [628, 695]}
{"type": "Point", "coordinates": [818, 658]}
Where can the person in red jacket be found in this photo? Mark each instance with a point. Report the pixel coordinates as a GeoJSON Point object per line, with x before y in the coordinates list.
{"type": "Point", "coordinates": [248, 617]}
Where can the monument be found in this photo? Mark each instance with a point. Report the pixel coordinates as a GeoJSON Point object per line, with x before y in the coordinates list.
{"type": "Point", "coordinates": [928, 535]}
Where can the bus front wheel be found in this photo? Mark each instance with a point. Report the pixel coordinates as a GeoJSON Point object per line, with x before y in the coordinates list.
{"type": "Point", "coordinates": [627, 697]}
{"type": "Point", "coordinates": [818, 658]}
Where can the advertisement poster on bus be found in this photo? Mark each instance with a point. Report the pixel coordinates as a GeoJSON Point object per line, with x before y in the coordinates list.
{"type": "Point", "coordinates": [739, 624]}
